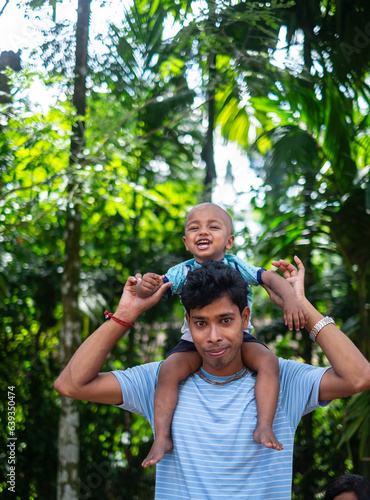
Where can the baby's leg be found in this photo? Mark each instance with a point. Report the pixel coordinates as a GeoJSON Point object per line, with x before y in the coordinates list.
{"type": "Point", "coordinates": [175, 368]}
{"type": "Point", "coordinates": [266, 364]}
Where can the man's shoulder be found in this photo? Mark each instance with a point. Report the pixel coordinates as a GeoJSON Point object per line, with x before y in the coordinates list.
{"type": "Point", "coordinates": [137, 373]}
{"type": "Point", "coordinates": [294, 369]}
{"type": "Point", "coordinates": [291, 364]}
{"type": "Point", "coordinates": [138, 386]}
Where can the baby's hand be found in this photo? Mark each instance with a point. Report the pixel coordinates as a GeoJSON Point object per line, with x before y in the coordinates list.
{"type": "Point", "coordinates": [148, 284]}
{"type": "Point", "coordinates": [294, 313]}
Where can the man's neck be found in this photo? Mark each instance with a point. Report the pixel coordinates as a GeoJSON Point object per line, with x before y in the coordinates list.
{"type": "Point", "coordinates": [226, 379]}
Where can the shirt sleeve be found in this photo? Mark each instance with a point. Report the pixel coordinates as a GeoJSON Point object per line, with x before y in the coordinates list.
{"type": "Point", "coordinates": [251, 274]}
{"type": "Point", "coordinates": [138, 385]}
{"type": "Point", "coordinates": [177, 276]}
{"type": "Point", "coordinates": [299, 388]}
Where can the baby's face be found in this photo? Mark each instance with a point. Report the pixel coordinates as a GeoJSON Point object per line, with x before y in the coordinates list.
{"type": "Point", "coordinates": [208, 233]}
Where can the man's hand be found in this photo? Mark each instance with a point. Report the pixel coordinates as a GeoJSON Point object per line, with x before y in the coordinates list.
{"type": "Point", "coordinates": [81, 378]}
{"type": "Point", "coordinates": [293, 275]}
{"type": "Point", "coordinates": [350, 370]}
{"type": "Point", "coordinates": [148, 284]}
{"type": "Point", "coordinates": [294, 312]}
{"type": "Point", "coordinates": [131, 305]}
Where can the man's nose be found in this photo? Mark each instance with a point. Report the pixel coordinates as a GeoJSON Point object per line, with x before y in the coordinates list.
{"type": "Point", "coordinates": [214, 334]}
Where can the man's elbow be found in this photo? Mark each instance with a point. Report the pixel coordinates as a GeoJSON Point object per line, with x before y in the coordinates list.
{"type": "Point", "coordinates": [361, 379]}
{"type": "Point", "coordinates": [63, 387]}
{"type": "Point", "coordinates": [364, 381]}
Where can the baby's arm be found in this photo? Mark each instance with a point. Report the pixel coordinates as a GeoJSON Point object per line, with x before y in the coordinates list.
{"type": "Point", "coordinates": [148, 284]}
{"type": "Point", "coordinates": [294, 313]}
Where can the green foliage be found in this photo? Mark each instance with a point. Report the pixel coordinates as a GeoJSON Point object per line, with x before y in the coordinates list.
{"type": "Point", "coordinates": [30, 289]}
{"type": "Point", "coordinates": [137, 176]}
{"type": "Point", "coordinates": [357, 423]}
{"type": "Point", "coordinates": [129, 199]}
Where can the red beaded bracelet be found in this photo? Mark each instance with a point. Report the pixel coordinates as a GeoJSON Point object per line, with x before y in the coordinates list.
{"type": "Point", "coordinates": [109, 315]}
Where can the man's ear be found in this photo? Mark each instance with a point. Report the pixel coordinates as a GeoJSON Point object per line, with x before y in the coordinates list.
{"type": "Point", "coordinates": [184, 240]}
{"type": "Point", "coordinates": [187, 317]}
{"type": "Point", "coordinates": [230, 241]}
{"type": "Point", "coordinates": [245, 317]}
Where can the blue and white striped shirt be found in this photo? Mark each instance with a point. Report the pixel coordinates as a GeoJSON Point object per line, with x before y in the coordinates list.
{"type": "Point", "coordinates": [214, 455]}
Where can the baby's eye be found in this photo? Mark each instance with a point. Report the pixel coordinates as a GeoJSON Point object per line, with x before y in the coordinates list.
{"type": "Point", "coordinates": [193, 228]}
{"type": "Point", "coordinates": [214, 227]}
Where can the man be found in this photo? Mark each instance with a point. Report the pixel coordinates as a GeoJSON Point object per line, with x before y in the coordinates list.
{"type": "Point", "coordinates": [348, 487]}
{"type": "Point", "coordinates": [214, 454]}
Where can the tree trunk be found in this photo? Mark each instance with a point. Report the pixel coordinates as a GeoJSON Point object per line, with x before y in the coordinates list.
{"type": "Point", "coordinates": [8, 59]}
{"type": "Point", "coordinates": [68, 444]}
{"type": "Point", "coordinates": [68, 441]}
{"type": "Point", "coordinates": [208, 148]}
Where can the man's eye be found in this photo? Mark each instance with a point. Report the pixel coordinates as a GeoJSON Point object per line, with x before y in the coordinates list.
{"type": "Point", "coordinates": [226, 320]}
{"type": "Point", "coordinates": [200, 323]}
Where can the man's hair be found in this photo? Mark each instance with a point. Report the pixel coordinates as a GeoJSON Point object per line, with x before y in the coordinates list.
{"type": "Point", "coordinates": [212, 281]}
{"type": "Point", "coordinates": [349, 482]}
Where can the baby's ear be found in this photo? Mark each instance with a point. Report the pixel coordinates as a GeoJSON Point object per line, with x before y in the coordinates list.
{"type": "Point", "coordinates": [230, 241]}
{"type": "Point", "coordinates": [184, 241]}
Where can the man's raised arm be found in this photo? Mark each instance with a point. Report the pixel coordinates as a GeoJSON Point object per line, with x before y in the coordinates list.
{"type": "Point", "coordinates": [81, 379]}
{"type": "Point", "coordinates": [350, 371]}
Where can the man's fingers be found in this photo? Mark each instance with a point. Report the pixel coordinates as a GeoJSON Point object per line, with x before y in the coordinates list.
{"type": "Point", "coordinates": [131, 280]}
{"type": "Point", "coordinates": [164, 287]}
{"type": "Point", "coordinates": [300, 265]}
{"type": "Point", "coordinates": [161, 291]}
{"type": "Point", "coordinates": [298, 261]}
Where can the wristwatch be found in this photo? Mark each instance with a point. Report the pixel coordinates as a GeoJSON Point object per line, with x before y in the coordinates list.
{"type": "Point", "coordinates": [319, 326]}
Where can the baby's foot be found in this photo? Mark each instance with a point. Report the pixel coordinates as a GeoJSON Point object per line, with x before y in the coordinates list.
{"type": "Point", "coordinates": [265, 435]}
{"type": "Point", "coordinates": [160, 447]}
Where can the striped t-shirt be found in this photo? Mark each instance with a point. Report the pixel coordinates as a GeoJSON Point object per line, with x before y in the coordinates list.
{"type": "Point", "coordinates": [214, 455]}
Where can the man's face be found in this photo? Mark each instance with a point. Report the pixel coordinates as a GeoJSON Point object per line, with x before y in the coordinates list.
{"type": "Point", "coordinates": [217, 331]}
{"type": "Point", "coordinates": [208, 233]}
{"type": "Point", "coordinates": [347, 495]}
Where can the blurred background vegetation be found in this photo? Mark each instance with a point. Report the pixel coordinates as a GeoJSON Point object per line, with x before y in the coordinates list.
{"type": "Point", "coordinates": [96, 183]}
